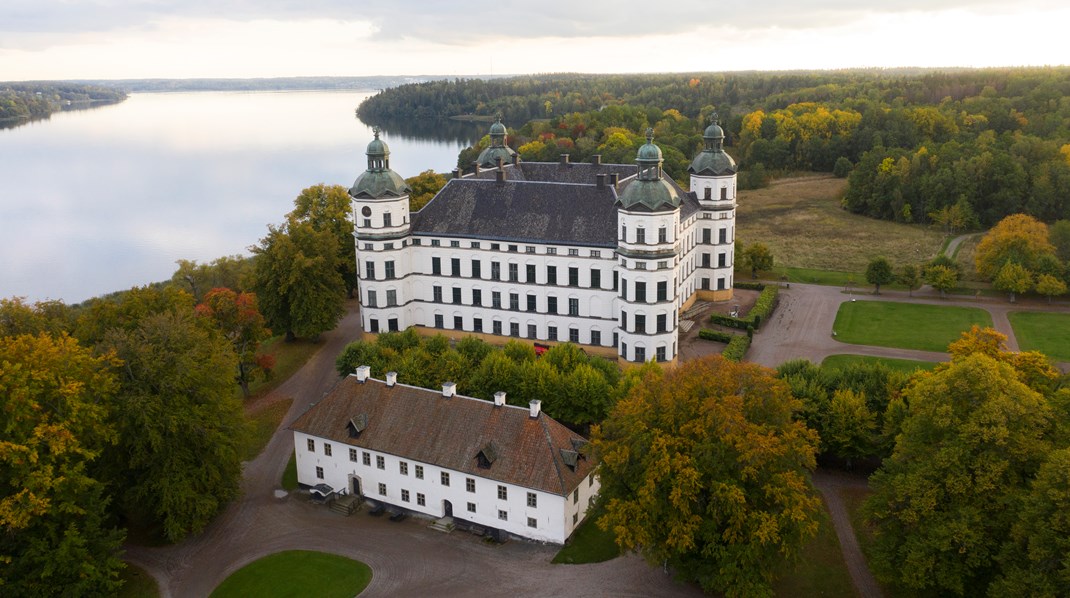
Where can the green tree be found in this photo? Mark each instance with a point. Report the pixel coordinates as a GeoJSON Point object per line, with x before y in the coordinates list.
{"type": "Point", "coordinates": [1013, 278]}
{"type": "Point", "coordinates": [850, 426]}
{"type": "Point", "coordinates": [942, 278]}
{"type": "Point", "coordinates": [230, 272]}
{"type": "Point", "coordinates": [910, 277]}
{"type": "Point", "coordinates": [297, 282]}
{"type": "Point", "coordinates": [327, 209]}
{"type": "Point", "coordinates": [972, 436]}
{"type": "Point", "coordinates": [54, 535]}
{"type": "Point", "coordinates": [237, 317]}
{"type": "Point", "coordinates": [424, 187]}
{"type": "Point", "coordinates": [879, 272]}
{"type": "Point", "coordinates": [18, 317]}
{"type": "Point", "coordinates": [1059, 236]}
{"type": "Point", "coordinates": [704, 468]}
{"type": "Point", "coordinates": [181, 430]}
{"type": "Point", "coordinates": [758, 258]}
{"type": "Point", "coordinates": [842, 167]}
{"type": "Point", "coordinates": [1049, 286]}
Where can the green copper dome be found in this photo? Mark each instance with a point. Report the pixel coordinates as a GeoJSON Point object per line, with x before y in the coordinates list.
{"type": "Point", "coordinates": [497, 128]}
{"type": "Point", "coordinates": [488, 158]}
{"type": "Point", "coordinates": [378, 181]}
{"type": "Point", "coordinates": [712, 160]}
{"type": "Point", "coordinates": [649, 192]}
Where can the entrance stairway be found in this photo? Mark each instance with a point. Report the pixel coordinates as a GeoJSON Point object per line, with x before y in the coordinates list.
{"type": "Point", "coordinates": [346, 504]}
{"type": "Point", "coordinates": [443, 525]}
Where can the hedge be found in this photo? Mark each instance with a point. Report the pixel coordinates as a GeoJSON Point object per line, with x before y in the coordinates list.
{"type": "Point", "coordinates": [761, 310]}
{"type": "Point", "coordinates": [750, 286]}
{"type": "Point", "coordinates": [737, 348]}
{"type": "Point", "coordinates": [715, 335]}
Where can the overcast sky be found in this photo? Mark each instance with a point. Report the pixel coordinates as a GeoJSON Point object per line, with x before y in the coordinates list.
{"type": "Point", "coordinates": [113, 39]}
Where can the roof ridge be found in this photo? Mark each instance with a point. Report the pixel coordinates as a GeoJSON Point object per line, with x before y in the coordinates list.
{"type": "Point", "coordinates": [553, 455]}
{"type": "Point", "coordinates": [439, 392]}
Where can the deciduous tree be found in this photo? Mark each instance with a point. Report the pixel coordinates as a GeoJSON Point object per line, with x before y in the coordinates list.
{"type": "Point", "coordinates": [1018, 238]}
{"type": "Point", "coordinates": [1013, 278]}
{"type": "Point", "coordinates": [910, 277]}
{"type": "Point", "coordinates": [942, 278]}
{"type": "Point", "coordinates": [705, 468]}
{"type": "Point", "coordinates": [327, 209]}
{"type": "Point", "coordinates": [237, 317]}
{"type": "Point", "coordinates": [849, 427]}
{"type": "Point", "coordinates": [424, 187]}
{"type": "Point", "coordinates": [1049, 286]}
{"type": "Point", "coordinates": [879, 272]}
{"type": "Point", "coordinates": [758, 258]}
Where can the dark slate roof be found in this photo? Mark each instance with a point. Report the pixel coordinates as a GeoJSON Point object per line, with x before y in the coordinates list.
{"type": "Point", "coordinates": [543, 212]}
{"type": "Point", "coordinates": [419, 424]}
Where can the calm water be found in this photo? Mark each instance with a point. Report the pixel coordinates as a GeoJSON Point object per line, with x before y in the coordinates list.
{"type": "Point", "coordinates": [101, 200]}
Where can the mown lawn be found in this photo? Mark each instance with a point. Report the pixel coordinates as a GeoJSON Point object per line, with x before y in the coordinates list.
{"type": "Point", "coordinates": [908, 366]}
{"type": "Point", "coordinates": [262, 425]}
{"type": "Point", "coordinates": [137, 583]}
{"type": "Point", "coordinates": [289, 475]}
{"type": "Point", "coordinates": [297, 573]}
{"type": "Point", "coordinates": [820, 570]}
{"type": "Point", "coordinates": [289, 357]}
{"type": "Point", "coordinates": [589, 544]}
{"type": "Point", "coordinates": [905, 325]}
{"type": "Point", "coordinates": [1048, 333]}
{"type": "Point", "coordinates": [852, 501]}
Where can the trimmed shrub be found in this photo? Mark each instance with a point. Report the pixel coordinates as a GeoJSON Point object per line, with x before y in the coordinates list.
{"type": "Point", "coordinates": [736, 348]}
{"type": "Point", "coordinates": [715, 335]}
{"type": "Point", "coordinates": [763, 307]}
{"type": "Point", "coordinates": [750, 286]}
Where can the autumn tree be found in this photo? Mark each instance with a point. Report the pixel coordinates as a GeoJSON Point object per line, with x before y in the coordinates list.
{"type": "Point", "coordinates": [327, 208]}
{"type": "Point", "coordinates": [180, 427]}
{"type": "Point", "coordinates": [704, 468]}
{"type": "Point", "coordinates": [942, 278]}
{"type": "Point", "coordinates": [231, 272]}
{"type": "Point", "coordinates": [55, 537]}
{"type": "Point", "coordinates": [1014, 279]}
{"type": "Point", "coordinates": [298, 285]}
{"type": "Point", "coordinates": [1018, 239]}
{"type": "Point", "coordinates": [1049, 286]}
{"type": "Point", "coordinates": [758, 258]}
{"type": "Point", "coordinates": [237, 317]}
{"type": "Point", "coordinates": [849, 427]}
{"type": "Point", "coordinates": [879, 272]}
{"type": "Point", "coordinates": [18, 317]}
{"type": "Point", "coordinates": [424, 186]}
{"type": "Point", "coordinates": [910, 277]}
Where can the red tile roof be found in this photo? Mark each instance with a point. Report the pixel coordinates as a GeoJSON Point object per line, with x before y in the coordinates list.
{"type": "Point", "coordinates": [420, 424]}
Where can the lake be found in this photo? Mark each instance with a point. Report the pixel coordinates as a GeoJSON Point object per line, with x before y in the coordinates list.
{"type": "Point", "coordinates": [100, 200]}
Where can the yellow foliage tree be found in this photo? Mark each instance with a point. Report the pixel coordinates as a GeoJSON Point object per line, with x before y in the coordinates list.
{"type": "Point", "coordinates": [1018, 238]}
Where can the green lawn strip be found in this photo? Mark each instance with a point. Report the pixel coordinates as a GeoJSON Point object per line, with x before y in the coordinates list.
{"type": "Point", "coordinates": [297, 573]}
{"type": "Point", "coordinates": [262, 425]}
{"type": "Point", "coordinates": [289, 475]}
{"type": "Point", "coordinates": [820, 570]}
{"type": "Point", "coordinates": [852, 501]}
{"type": "Point", "coordinates": [905, 325]}
{"type": "Point", "coordinates": [909, 366]}
{"type": "Point", "coordinates": [1048, 333]}
{"type": "Point", "coordinates": [589, 544]}
{"type": "Point", "coordinates": [825, 277]}
{"type": "Point", "coordinates": [137, 583]}
{"type": "Point", "coordinates": [289, 357]}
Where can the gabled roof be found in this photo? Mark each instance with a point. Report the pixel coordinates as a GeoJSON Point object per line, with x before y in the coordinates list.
{"type": "Point", "coordinates": [419, 424]}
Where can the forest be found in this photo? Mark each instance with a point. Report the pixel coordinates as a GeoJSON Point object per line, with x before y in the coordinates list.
{"type": "Point", "coordinates": [20, 102]}
{"type": "Point", "coordinates": [914, 143]}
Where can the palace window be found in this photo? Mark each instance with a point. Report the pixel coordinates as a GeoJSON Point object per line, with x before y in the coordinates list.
{"type": "Point", "coordinates": [319, 472]}
{"type": "Point", "coordinates": [327, 449]}
{"type": "Point", "coordinates": [533, 500]}
{"type": "Point", "coordinates": [503, 493]}
{"type": "Point", "coordinates": [436, 266]}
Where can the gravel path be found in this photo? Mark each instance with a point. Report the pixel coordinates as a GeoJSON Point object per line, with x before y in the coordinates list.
{"type": "Point", "coordinates": [829, 484]}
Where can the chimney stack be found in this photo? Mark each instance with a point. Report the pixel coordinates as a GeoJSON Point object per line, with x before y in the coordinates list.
{"type": "Point", "coordinates": [449, 389]}
{"type": "Point", "coordinates": [501, 162]}
{"type": "Point", "coordinates": [601, 180]}
{"type": "Point", "coordinates": [475, 167]}
{"type": "Point", "coordinates": [457, 173]}
{"type": "Point", "coordinates": [596, 159]}
{"type": "Point", "coordinates": [613, 178]}
{"type": "Point", "coordinates": [516, 159]}
{"type": "Point", "coordinates": [564, 159]}
{"type": "Point", "coordinates": [536, 407]}
{"type": "Point", "coordinates": [499, 399]}
{"type": "Point", "coordinates": [391, 378]}
{"type": "Point", "coordinates": [500, 174]}
{"type": "Point", "coordinates": [362, 373]}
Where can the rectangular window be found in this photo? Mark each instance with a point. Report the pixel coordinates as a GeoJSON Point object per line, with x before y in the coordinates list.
{"type": "Point", "coordinates": [532, 302]}
{"type": "Point", "coordinates": [477, 297]}
{"type": "Point", "coordinates": [531, 522]}
{"type": "Point", "coordinates": [420, 500]}
{"type": "Point", "coordinates": [471, 507]}
{"type": "Point", "coordinates": [496, 327]}
{"type": "Point", "coordinates": [503, 493]}
{"type": "Point", "coordinates": [391, 298]}
{"type": "Point", "coordinates": [496, 299]}
{"type": "Point", "coordinates": [624, 233]}
{"type": "Point", "coordinates": [417, 241]}
{"type": "Point", "coordinates": [596, 338]}
{"type": "Point", "coordinates": [436, 294]}
{"type": "Point", "coordinates": [573, 307]}
{"type": "Point", "coordinates": [366, 458]}
{"type": "Point", "coordinates": [374, 325]}
{"type": "Point", "coordinates": [382, 489]}
{"type": "Point", "coordinates": [436, 265]}
{"type": "Point", "coordinates": [470, 484]}
{"type": "Point", "coordinates": [435, 242]}
{"type": "Point", "coordinates": [623, 288]}
{"type": "Point", "coordinates": [455, 243]}
{"type": "Point", "coordinates": [720, 283]}
{"type": "Point", "coordinates": [724, 192]}
{"type": "Point", "coordinates": [311, 445]}
{"type": "Point", "coordinates": [575, 496]}
{"type": "Point", "coordinates": [551, 251]}
{"type": "Point", "coordinates": [575, 519]}
{"type": "Point", "coordinates": [476, 273]}
{"type": "Point", "coordinates": [458, 323]}
{"type": "Point", "coordinates": [533, 331]}
{"type": "Point", "coordinates": [640, 323]}
{"type": "Point", "coordinates": [722, 236]}
{"type": "Point", "coordinates": [573, 335]}
{"type": "Point", "coordinates": [390, 269]}
{"type": "Point", "coordinates": [495, 271]}
{"type": "Point", "coordinates": [533, 500]}
{"type": "Point", "coordinates": [659, 353]}
{"type": "Point", "coordinates": [504, 516]}
{"type": "Point", "coordinates": [420, 472]}
{"type": "Point", "coordinates": [319, 473]}
{"type": "Point", "coordinates": [495, 246]}
{"type": "Point", "coordinates": [662, 327]}
{"type": "Point", "coordinates": [386, 219]}
{"type": "Point", "coordinates": [614, 280]}
{"type": "Point", "coordinates": [380, 462]}
{"type": "Point", "coordinates": [327, 449]}
{"type": "Point", "coordinates": [573, 277]}
{"type": "Point", "coordinates": [444, 477]}
{"type": "Point", "coordinates": [403, 467]}
{"type": "Point", "coordinates": [439, 322]}
{"type": "Point", "coordinates": [514, 301]}
{"type": "Point", "coordinates": [640, 236]}
{"type": "Point", "coordinates": [596, 278]}
{"type": "Point", "coordinates": [455, 266]}
{"type": "Point", "coordinates": [404, 496]}
{"type": "Point", "coordinates": [529, 249]}
{"type": "Point", "coordinates": [663, 235]}
{"type": "Point", "coordinates": [640, 292]}
{"type": "Point", "coordinates": [530, 272]}
{"type": "Point", "coordinates": [573, 252]}
{"type": "Point", "coordinates": [705, 260]}
{"type": "Point", "coordinates": [369, 270]}
{"type": "Point", "coordinates": [551, 274]}
{"type": "Point", "coordinates": [663, 291]}
{"type": "Point", "coordinates": [514, 329]}
{"type": "Point", "coordinates": [474, 244]}
{"type": "Point", "coordinates": [551, 305]}
{"type": "Point", "coordinates": [640, 354]}
{"type": "Point", "coordinates": [596, 253]}
{"type": "Point", "coordinates": [706, 236]}
{"type": "Point", "coordinates": [514, 273]}
{"type": "Point", "coordinates": [372, 299]}
{"type": "Point", "coordinates": [353, 455]}
{"type": "Point", "coordinates": [513, 248]}
{"type": "Point", "coordinates": [457, 295]}
{"type": "Point", "coordinates": [477, 324]}
{"type": "Point", "coordinates": [551, 332]}
{"type": "Point", "coordinates": [721, 260]}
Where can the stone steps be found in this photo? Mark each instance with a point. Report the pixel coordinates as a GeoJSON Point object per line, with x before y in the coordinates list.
{"type": "Point", "coordinates": [345, 505]}
{"type": "Point", "coordinates": [444, 525]}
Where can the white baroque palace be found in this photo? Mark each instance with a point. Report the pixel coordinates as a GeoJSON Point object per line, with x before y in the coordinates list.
{"type": "Point", "coordinates": [603, 255]}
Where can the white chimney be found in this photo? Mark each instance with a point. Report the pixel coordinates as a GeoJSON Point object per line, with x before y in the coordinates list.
{"type": "Point", "coordinates": [449, 389]}
{"type": "Point", "coordinates": [362, 373]}
{"type": "Point", "coordinates": [499, 398]}
{"type": "Point", "coordinates": [391, 378]}
{"type": "Point", "coordinates": [536, 407]}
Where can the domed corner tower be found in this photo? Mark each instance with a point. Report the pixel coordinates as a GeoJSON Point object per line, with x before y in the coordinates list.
{"type": "Point", "coordinates": [713, 180]}
{"type": "Point", "coordinates": [648, 218]}
{"type": "Point", "coordinates": [380, 199]}
{"type": "Point", "coordinates": [497, 150]}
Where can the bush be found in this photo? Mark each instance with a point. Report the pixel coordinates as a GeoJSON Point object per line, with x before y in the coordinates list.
{"type": "Point", "coordinates": [763, 307]}
{"type": "Point", "coordinates": [750, 286]}
{"type": "Point", "coordinates": [715, 335]}
{"type": "Point", "coordinates": [737, 348]}
{"type": "Point", "coordinates": [842, 168]}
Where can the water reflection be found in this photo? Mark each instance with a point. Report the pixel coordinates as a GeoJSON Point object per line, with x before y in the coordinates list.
{"type": "Point", "coordinates": [73, 107]}
{"type": "Point", "coordinates": [101, 200]}
{"type": "Point", "coordinates": [457, 132]}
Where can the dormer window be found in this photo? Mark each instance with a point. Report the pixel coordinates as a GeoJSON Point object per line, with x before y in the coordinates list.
{"type": "Point", "coordinates": [357, 425]}
{"type": "Point", "coordinates": [487, 455]}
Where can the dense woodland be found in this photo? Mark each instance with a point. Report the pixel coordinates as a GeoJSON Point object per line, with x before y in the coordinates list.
{"type": "Point", "coordinates": [20, 102]}
{"type": "Point", "coordinates": [914, 143]}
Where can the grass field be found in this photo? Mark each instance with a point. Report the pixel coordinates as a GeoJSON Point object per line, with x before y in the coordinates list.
{"type": "Point", "coordinates": [908, 366]}
{"type": "Point", "coordinates": [852, 500]}
{"type": "Point", "coordinates": [289, 357]}
{"type": "Point", "coordinates": [297, 573]}
{"type": "Point", "coordinates": [820, 570]}
{"type": "Point", "coordinates": [905, 325]}
{"type": "Point", "coordinates": [289, 475]}
{"type": "Point", "coordinates": [801, 221]}
{"type": "Point", "coordinates": [1048, 333]}
{"type": "Point", "coordinates": [263, 423]}
{"type": "Point", "coordinates": [589, 544]}
{"type": "Point", "coordinates": [137, 583]}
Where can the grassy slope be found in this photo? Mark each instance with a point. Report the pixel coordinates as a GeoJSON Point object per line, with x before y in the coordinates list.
{"type": "Point", "coordinates": [289, 357]}
{"type": "Point", "coordinates": [820, 570]}
{"type": "Point", "coordinates": [905, 325]}
{"type": "Point", "coordinates": [904, 365]}
{"type": "Point", "coordinates": [137, 583]}
{"type": "Point", "coordinates": [1048, 333]}
{"type": "Point", "coordinates": [297, 573]}
{"type": "Point", "coordinates": [263, 422]}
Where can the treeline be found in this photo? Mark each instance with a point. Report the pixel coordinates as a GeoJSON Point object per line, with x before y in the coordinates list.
{"type": "Point", "coordinates": [259, 84]}
{"type": "Point", "coordinates": [23, 101]}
